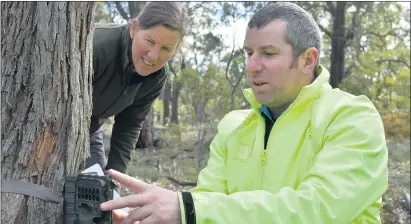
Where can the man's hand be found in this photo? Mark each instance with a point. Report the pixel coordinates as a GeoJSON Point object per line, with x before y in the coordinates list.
{"type": "Point", "coordinates": [152, 204]}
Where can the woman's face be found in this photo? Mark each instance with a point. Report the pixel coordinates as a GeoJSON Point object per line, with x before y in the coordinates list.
{"type": "Point", "coordinates": [152, 48]}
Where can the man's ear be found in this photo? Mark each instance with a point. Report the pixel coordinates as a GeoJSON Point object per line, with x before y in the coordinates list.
{"type": "Point", "coordinates": [309, 60]}
{"type": "Point", "coordinates": [133, 27]}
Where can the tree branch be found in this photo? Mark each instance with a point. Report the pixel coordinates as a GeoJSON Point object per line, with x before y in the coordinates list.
{"type": "Point", "coordinates": [393, 60]}
{"type": "Point", "coordinates": [311, 7]}
{"type": "Point", "coordinates": [348, 70]}
{"type": "Point", "coordinates": [241, 76]}
{"type": "Point", "coordinates": [228, 63]}
{"type": "Point", "coordinates": [380, 36]}
{"type": "Point", "coordinates": [170, 66]}
{"type": "Point", "coordinates": [181, 183]}
{"type": "Point", "coordinates": [327, 32]}
{"type": "Point", "coordinates": [350, 34]}
{"type": "Point", "coordinates": [121, 11]}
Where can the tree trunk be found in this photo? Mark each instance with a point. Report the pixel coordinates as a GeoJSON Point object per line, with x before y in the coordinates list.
{"type": "Point", "coordinates": [338, 45]}
{"type": "Point", "coordinates": [149, 129]}
{"type": "Point", "coordinates": [166, 101]}
{"type": "Point", "coordinates": [174, 102]}
{"type": "Point", "coordinates": [145, 140]}
{"type": "Point", "coordinates": [46, 100]}
{"type": "Point", "coordinates": [177, 86]}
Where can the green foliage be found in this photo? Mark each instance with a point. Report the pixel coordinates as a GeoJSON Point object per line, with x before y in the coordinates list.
{"type": "Point", "coordinates": [158, 105]}
{"type": "Point", "coordinates": [380, 64]}
{"type": "Point", "coordinates": [101, 15]}
{"type": "Point", "coordinates": [204, 92]}
{"type": "Point", "coordinates": [173, 136]}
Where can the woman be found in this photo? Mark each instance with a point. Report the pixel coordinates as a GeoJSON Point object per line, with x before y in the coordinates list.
{"type": "Point", "coordinates": [129, 74]}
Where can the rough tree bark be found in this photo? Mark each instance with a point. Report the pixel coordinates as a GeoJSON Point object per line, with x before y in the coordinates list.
{"type": "Point", "coordinates": [45, 100]}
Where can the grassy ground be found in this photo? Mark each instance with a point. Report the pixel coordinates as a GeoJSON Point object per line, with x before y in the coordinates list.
{"type": "Point", "coordinates": [181, 162]}
{"type": "Point", "coordinates": [395, 208]}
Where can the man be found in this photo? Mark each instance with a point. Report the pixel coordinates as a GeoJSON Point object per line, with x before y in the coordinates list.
{"type": "Point", "coordinates": [304, 153]}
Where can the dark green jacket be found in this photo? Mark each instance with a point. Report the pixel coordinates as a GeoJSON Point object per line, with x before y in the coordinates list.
{"type": "Point", "coordinates": [119, 91]}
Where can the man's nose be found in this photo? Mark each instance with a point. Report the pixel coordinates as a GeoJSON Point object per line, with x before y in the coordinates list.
{"type": "Point", "coordinates": [253, 64]}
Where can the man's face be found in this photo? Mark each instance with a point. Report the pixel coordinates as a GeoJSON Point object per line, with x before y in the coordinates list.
{"type": "Point", "coordinates": [152, 48]}
{"type": "Point", "coordinates": [276, 79]}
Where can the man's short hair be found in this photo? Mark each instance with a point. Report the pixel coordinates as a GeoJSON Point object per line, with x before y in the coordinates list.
{"type": "Point", "coordinates": [302, 31]}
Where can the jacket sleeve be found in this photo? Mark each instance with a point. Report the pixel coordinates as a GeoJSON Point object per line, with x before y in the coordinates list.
{"type": "Point", "coordinates": [348, 175]}
{"type": "Point", "coordinates": [127, 126]}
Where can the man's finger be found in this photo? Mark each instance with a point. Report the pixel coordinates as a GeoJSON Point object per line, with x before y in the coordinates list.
{"type": "Point", "coordinates": [134, 184]}
{"type": "Point", "coordinates": [139, 214]}
{"type": "Point", "coordinates": [135, 200]}
{"type": "Point", "coordinates": [149, 220]}
{"type": "Point", "coordinates": [119, 216]}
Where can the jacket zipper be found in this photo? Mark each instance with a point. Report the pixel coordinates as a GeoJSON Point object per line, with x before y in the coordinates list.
{"type": "Point", "coordinates": [264, 153]}
{"type": "Point", "coordinates": [310, 136]}
{"type": "Point", "coordinates": [125, 91]}
{"type": "Point", "coordinates": [263, 161]}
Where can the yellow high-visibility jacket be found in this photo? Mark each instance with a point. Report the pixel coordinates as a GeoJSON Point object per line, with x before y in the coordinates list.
{"type": "Point", "coordinates": [325, 163]}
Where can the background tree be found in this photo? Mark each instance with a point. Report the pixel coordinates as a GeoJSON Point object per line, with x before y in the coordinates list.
{"type": "Point", "coordinates": [46, 100]}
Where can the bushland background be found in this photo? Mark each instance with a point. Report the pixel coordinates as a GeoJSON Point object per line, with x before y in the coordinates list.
{"type": "Point", "coordinates": [366, 49]}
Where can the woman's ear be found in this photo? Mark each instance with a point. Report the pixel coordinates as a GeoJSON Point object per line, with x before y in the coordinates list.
{"type": "Point", "coordinates": [133, 27]}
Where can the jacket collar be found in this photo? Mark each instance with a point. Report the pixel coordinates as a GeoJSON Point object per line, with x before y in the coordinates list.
{"type": "Point", "coordinates": [307, 93]}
